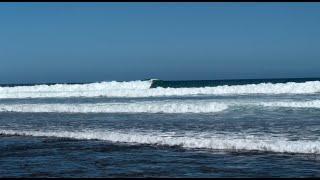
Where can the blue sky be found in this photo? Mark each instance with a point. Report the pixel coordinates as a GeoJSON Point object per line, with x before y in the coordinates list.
{"type": "Point", "coordinates": [85, 42]}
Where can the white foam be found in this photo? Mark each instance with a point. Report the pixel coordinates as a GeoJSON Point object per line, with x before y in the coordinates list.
{"type": "Point", "coordinates": [142, 89]}
{"type": "Point", "coordinates": [71, 90]}
{"type": "Point", "coordinates": [293, 104]}
{"type": "Point", "coordinates": [166, 106]}
{"type": "Point", "coordinates": [215, 142]}
{"type": "Point", "coordinates": [136, 107]}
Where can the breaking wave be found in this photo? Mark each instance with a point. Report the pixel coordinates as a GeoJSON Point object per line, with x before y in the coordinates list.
{"type": "Point", "coordinates": [137, 107]}
{"type": "Point", "coordinates": [72, 90]}
{"type": "Point", "coordinates": [180, 106]}
{"type": "Point", "coordinates": [214, 142]}
{"type": "Point", "coordinates": [142, 89]}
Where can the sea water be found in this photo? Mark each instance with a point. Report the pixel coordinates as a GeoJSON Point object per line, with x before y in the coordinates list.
{"type": "Point", "coordinates": [154, 128]}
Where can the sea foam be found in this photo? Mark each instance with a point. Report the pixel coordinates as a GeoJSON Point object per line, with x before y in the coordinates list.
{"type": "Point", "coordinates": [142, 89]}
{"type": "Point", "coordinates": [171, 106]}
{"type": "Point", "coordinates": [293, 104]}
{"type": "Point", "coordinates": [214, 142]}
{"type": "Point", "coordinates": [136, 107]}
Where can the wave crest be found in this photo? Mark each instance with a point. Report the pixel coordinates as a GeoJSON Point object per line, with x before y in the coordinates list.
{"type": "Point", "coordinates": [142, 89]}
{"type": "Point", "coordinates": [225, 142]}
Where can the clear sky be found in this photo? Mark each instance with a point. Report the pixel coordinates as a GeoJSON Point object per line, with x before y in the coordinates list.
{"type": "Point", "coordinates": [85, 42]}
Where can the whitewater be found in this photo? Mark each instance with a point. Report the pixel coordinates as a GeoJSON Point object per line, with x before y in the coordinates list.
{"type": "Point", "coordinates": [231, 142]}
{"type": "Point", "coordinates": [142, 89]}
{"type": "Point", "coordinates": [240, 127]}
{"type": "Point", "coordinates": [190, 106]}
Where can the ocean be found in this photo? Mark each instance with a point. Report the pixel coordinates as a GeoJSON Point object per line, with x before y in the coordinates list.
{"type": "Point", "coordinates": [156, 128]}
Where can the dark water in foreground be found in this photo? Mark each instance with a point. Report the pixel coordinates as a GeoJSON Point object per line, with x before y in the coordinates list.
{"type": "Point", "coordinates": [54, 157]}
{"type": "Point", "coordinates": [131, 129]}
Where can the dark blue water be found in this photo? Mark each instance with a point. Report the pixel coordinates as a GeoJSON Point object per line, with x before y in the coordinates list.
{"type": "Point", "coordinates": [213, 83]}
{"type": "Point", "coordinates": [230, 128]}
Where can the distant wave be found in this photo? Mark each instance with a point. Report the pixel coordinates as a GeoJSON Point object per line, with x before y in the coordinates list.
{"type": "Point", "coordinates": [214, 142]}
{"type": "Point", "coordinates": [142, 89]}
{"type": "Point", "coordinates": [138, 107]}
